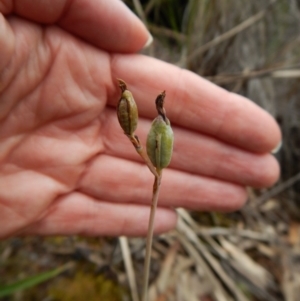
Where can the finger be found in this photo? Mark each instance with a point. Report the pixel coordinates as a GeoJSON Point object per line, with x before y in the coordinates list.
{"type": "Point", "coordinates": [198, 154]}
{"type": "Point", "coordinates": [132, 183]}
{"type": "Point", "coordinates": [80, 214]}
{"type": "Point", "coordinates": [109, 25]}
{"type": "Point", "coordinates": [194, 103]}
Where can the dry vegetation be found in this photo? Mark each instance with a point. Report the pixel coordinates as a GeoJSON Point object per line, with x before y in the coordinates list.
{"type": "Point", "coordinates": [251, 48]}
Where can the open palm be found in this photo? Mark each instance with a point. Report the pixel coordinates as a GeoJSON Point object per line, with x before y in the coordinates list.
{"type": "Point", "coordinates": [65, 165]}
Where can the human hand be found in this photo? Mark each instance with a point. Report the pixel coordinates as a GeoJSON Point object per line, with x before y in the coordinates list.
{"type": "Point", "coordinates": [65, 165]}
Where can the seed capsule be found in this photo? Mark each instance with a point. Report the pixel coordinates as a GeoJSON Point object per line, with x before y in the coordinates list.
{"type": "Point", "coordinates": [127, 110]}
{"type": "Point", "coordinates": [160, 137]}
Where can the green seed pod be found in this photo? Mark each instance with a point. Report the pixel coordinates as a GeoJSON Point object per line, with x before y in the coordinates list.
{"type": "Point", "coordinates": [160, 142]}
{"type": "Point", "coordinates": [127, 110]}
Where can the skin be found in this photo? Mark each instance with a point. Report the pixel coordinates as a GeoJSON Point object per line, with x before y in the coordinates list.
{"type": "Point", "coordinates": [65, 165]}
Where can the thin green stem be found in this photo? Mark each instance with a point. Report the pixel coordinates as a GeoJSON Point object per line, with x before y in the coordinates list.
{"type": "Point", "coordinates": [156, 187]}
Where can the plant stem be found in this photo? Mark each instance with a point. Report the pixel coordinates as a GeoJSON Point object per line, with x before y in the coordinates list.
{"type": "Point", "coordinates": [156, 187]}
{"type": "Point", "coordinates": [140, 150]}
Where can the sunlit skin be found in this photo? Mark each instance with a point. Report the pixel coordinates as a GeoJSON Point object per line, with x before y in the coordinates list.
{"type": "Point", "coordinates": [65, 165]}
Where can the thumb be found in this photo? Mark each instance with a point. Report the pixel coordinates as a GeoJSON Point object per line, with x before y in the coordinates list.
{"type": "Point", "coordinates": [109, 25]}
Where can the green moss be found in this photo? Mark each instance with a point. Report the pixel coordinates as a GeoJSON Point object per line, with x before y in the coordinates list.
{"type": "Point", "coordinates": [86, 287]}
{"type": "Point", "coordinates": [214, 219]}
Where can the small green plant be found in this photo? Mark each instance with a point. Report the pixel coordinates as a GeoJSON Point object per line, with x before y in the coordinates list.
{"type": "Point", "coordinates": [158, 156]}
{"type": "Point", "coordinates": [10, 289]}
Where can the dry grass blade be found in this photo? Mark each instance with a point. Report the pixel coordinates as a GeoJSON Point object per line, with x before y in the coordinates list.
{"type": "Point", "coordinates": [229, 34]}
{"type": "Point", "coordinates": [129, 267]}
{"type": "Point", "coordinates": [275, 71]}
{"type": "Point", "coordinates": [164, 285]}
{"type": "Point", "coordinates": [185, 291]}
{"type": "Point", "coordinates": [168, 33]}
{"type": "Point", "coordinates": [149, 6]}
{"type": "Point", "coordinates": [184, 228]}
{"type": "Point", "coordinates": [166, 269]}
{"type": "Point", "coordinates": [217, 231]}
{"type": "Point", "coordinates": [218, 292]}
{"type": "Point", "coordinates": [246, 266]}
{"type": "Point", "coordinates": [286, 74]}
{"type": "Point", "coordinates": [276, 190]}
{"type": "Point", "coordinates": [139, 9]}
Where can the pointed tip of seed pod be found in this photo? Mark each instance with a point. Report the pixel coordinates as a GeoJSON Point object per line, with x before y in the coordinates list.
{"type": "Point", "coordinates": [160, 99]}
{"type": "Point", "coordinates": [122, 84]}
{"type": "Point", "coordinates": [160, 104]}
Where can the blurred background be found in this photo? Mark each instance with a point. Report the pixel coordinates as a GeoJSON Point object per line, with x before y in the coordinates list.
{"type": "Point", "coordinates": [248, 47]}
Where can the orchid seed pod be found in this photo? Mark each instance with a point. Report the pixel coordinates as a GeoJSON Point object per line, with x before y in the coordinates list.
{"type": "Point", "coordinates": [127, 110]}
{"type": "Point", "coordinates": [160, 137]}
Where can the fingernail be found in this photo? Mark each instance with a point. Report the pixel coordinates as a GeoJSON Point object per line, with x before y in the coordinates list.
{"type": "Point", "coordinates": [277, 148]}
{"type": "Point", "coordinates": [149, 41]}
